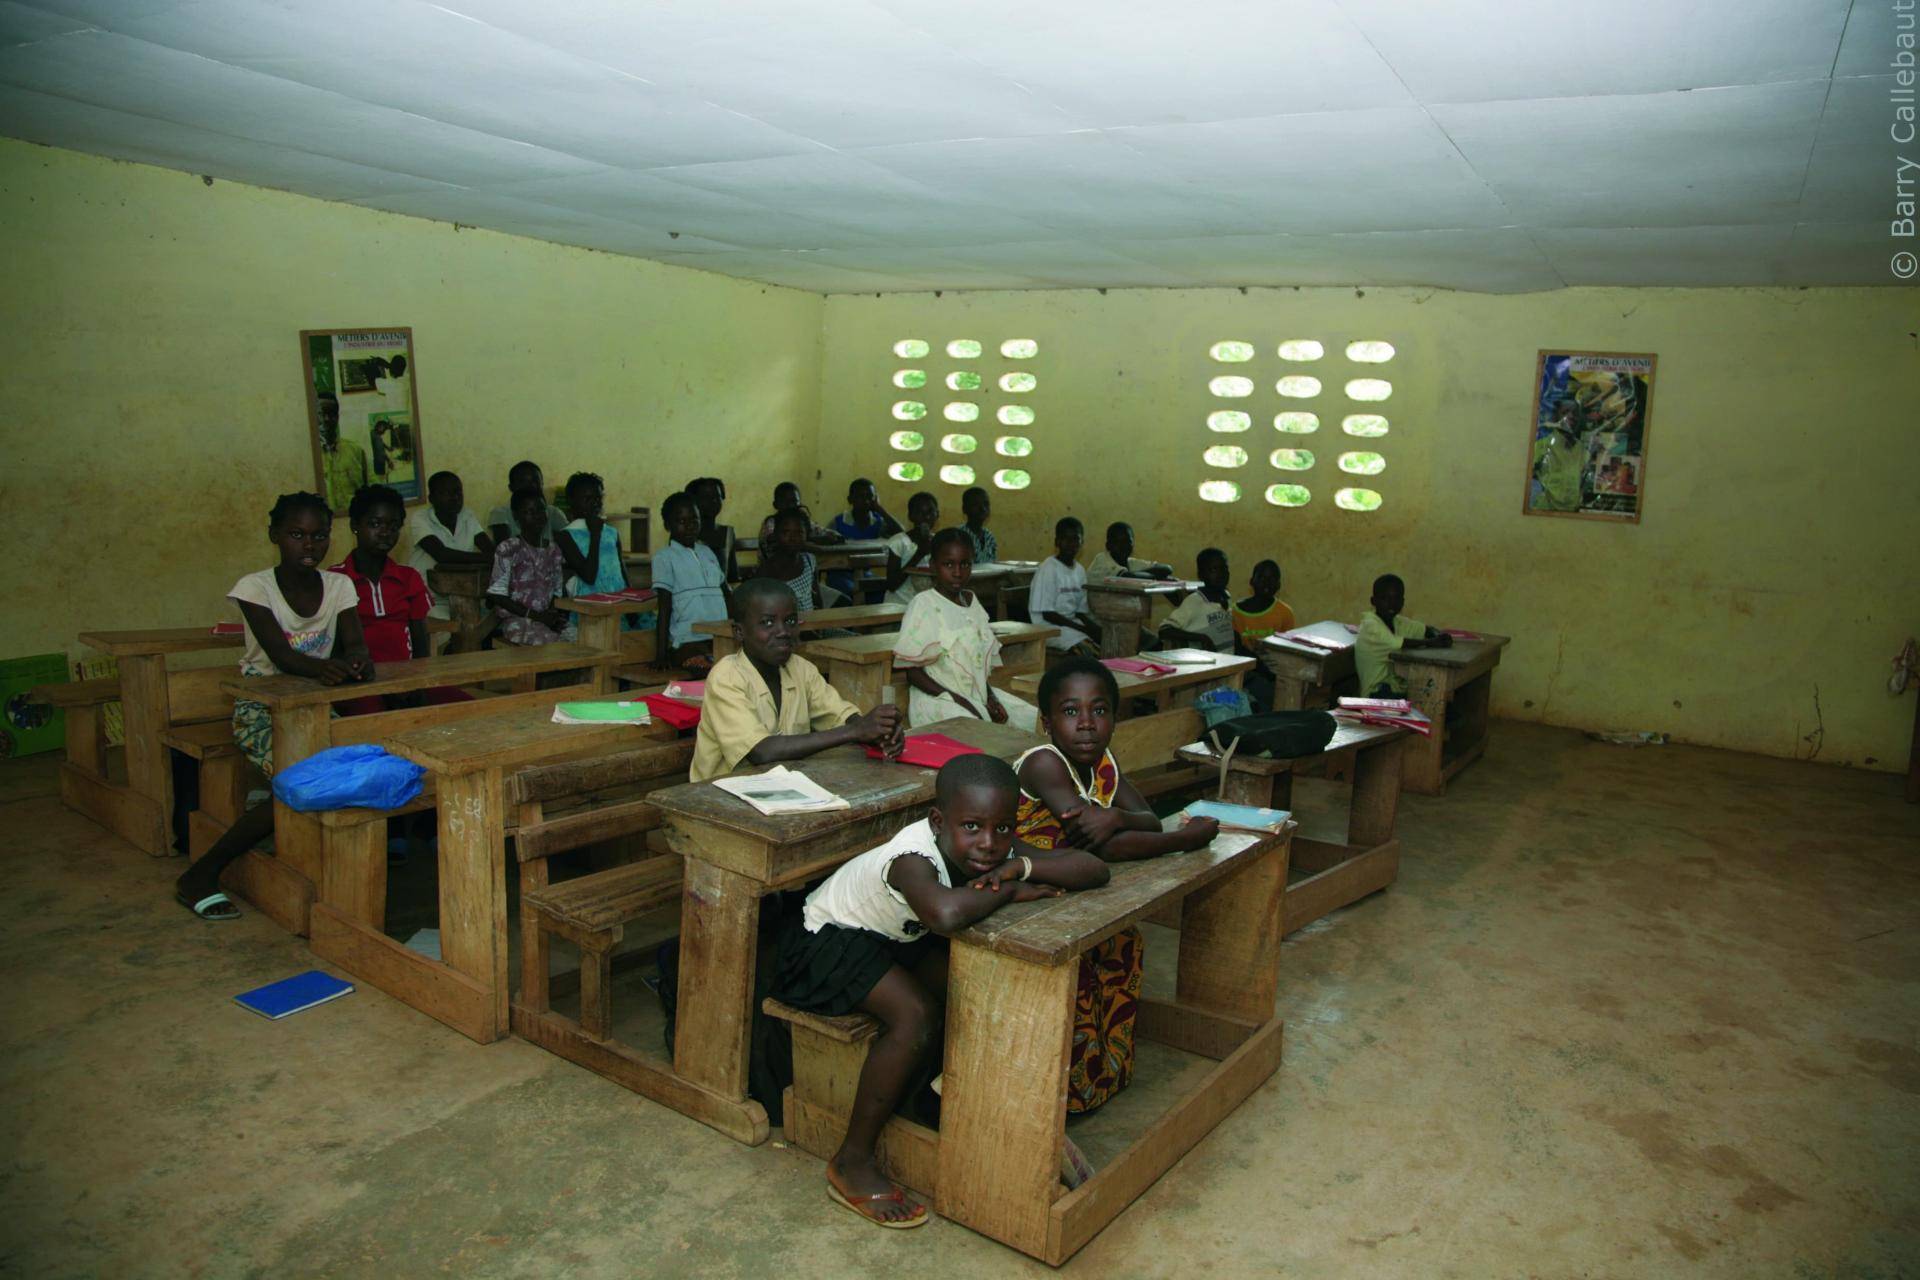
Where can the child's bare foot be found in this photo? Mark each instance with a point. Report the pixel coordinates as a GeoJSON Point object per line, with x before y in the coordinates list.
{"type": "Point", "coordinates": [861, 1187]}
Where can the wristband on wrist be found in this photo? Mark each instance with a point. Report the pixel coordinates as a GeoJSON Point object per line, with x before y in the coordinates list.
{"type": "Point", "coordinates": [1026, 867]}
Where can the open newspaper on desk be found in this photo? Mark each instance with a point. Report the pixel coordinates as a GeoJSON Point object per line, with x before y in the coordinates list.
{"type": "Point", "coordinates": [781, 790]}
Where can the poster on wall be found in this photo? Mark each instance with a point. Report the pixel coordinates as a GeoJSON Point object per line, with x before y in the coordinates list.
{"type": "Point", "coordinates": [1587, 441]}
{"type": "Point", "coordinates": [363, 414]}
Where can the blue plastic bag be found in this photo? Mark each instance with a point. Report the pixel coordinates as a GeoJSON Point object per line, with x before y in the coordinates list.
{"type": "Point", "coordinates": [358, 777]}
{"type": "Point", "coordinates": [1218, 705]}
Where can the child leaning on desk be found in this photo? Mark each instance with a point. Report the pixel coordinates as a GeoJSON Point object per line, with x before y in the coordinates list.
{"type": "Point", "coordinates": [1073, 795]}
{"type": "Point", "coordinates": [765, 704]}
{"type": "Point", "coordinates": [862, 943]}
{"type": "Point", "coordinates": [1385, 630]}
{"type": "Point", "coordinates": [299, 621]}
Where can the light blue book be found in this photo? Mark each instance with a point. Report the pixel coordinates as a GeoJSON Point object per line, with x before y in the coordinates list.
{"type": "Point", "coordinates": [1240, 817]}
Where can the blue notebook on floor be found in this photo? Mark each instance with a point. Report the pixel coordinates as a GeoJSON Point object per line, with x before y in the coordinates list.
{"type": "Point", "coordinates": [291, 995]}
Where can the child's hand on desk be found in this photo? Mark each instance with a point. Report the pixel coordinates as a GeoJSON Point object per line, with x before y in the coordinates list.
{"type": "Point", "coordinates": [334, 671]}
{"type": "Point", "coordinates": [1001, 877]}
{"type": "Point", "coordinates": [995, 712]}
{"type": "Point", "coordinates": [1198, 833]}
{"type": "Point", "coordinates": [1027, 891]}
{"type": "Point", "coordinates": [880, 727]}
{"type": "Point", "coordinates": [1091, 826]}
{"type": "Point", "coordinates": [359, 668]}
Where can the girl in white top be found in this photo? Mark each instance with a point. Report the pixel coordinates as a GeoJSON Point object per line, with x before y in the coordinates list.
{"type": "Point", "coordinates": [947, 646]}
{"type": "Point", "coordinates": [911, 547]}
{"type": "Point", "coordinates": [1059, 591]}
{"type": "Point", "coordinates": [299, 621]}
{"type": "Point", "coordinates": [866, 928]}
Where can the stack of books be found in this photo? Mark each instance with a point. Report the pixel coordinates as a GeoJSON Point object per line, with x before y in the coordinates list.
{"type": "Point", "coordinates": [1388, 711]}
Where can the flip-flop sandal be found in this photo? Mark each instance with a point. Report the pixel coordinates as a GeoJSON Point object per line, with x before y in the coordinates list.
{"type": "Point", "coordinates": [895, 1196]}
{"type": "Point", "coordinates": [208, 908]}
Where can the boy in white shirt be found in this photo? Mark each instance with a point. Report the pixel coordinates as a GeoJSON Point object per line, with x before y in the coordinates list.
{"type": "Point", "coordinates": [1204, 619]}
{"type": "Point", "coordinates": [1059, 591]}
{"type": "Point", "coordinates": [444, 532]}
{"type": "Point", "coordinates": [1116, 559]}
{"type": "Point", "coordinates": [910, 546]}
{"type": "Point", "coordinates": [864, 932]}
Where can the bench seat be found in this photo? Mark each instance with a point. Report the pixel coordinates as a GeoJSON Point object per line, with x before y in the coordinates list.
{"type": "Point", "coordinates": [78, 693]}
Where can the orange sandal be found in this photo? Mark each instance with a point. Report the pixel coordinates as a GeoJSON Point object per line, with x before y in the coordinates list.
{"type": "Point", "coordinates": [895, 1196]}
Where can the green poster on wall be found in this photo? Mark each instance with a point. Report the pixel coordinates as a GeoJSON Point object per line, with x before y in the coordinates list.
{"type": "Point", "coordinates": [27, 728]}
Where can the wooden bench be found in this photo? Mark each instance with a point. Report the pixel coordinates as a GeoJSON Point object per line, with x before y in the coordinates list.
{"type": "Point", "coordinates": [828, 1055]}
{"type": "Point", "coordinates": [591, 912]}
{"type": "Point", "coordinates": [225, 779]}
{"type": "Point", "coordinates": [84, 703]}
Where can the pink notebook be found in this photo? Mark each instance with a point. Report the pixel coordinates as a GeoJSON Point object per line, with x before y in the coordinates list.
{"type": "Point", "coordinates": [617, 597]}
{"type": "Point", "coordinates": [1458, 634]}
{"type": "Point", "coordinates": [228, 629]}
{"type": "Point", "coordinates": [1138, 666]}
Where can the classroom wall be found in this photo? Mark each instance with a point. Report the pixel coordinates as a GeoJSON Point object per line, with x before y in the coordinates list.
{"type": "Point", "coordinates": [152, 407]}
{"type": "Point", "coordinates": [1756, 606]}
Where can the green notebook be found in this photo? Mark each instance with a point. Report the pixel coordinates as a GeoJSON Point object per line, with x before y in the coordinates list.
{"type": "Point", "coordinates": [601, 713]}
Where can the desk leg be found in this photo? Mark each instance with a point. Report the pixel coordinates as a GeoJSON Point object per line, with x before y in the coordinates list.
{"type": "Point", "coordinates": [473, 886]}
{"type": "Point", "coordinates": [1003, 1108]}
{"type": "Point", "coordinates": [1427, 690]}
{"type": "Point", "coordinates": [719, 938]}
{"type": "Point", "coordinates": [860, 682]}
{"type": "Point", "coordinates": [1230, 940]}
{"type": "Point", "coordinates": [299, 732]}
{"type": "Point", "coordinates": [1261, 790]}
{"type": "Point", "coordinates": [143, 702]}
{"type": "Point", "coordinates": [1376, 793]}
{"type": "Point", "coordinates": [1119, 621]}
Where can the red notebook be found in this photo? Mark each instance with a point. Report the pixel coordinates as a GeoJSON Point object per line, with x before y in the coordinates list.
{"type": "Point", "coordinates": [671, 711]}
{"type": "Point", "coordinates": [1138, 666]}
{"type": "Point", "coordinates": [1458, 634]}
{"type": "Point", "coordinates": [228, 629]}
{"type": "Point", "coordinates": [928, 750]}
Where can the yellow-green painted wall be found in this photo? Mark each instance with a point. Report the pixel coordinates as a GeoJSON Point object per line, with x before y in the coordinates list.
{"type": "Point", "coordinates": [151, 408]}
{"type": "Point", "coordinates": [1760, 600]}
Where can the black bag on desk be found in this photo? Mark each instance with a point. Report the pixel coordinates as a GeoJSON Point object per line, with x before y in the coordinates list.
{"type": "Point", "coordinates": [1284, 735]}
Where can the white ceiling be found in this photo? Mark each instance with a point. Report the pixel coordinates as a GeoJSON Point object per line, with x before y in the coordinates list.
{"type": "Point", "coordinates": [869, 145]}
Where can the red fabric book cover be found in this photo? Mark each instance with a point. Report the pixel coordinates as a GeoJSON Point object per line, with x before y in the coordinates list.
{"type": "Point", "coordinates": [1138, 666]}
{"type": "Point", "coordinates": [672, 711]}
{"type": "Point", "coordinates": [615, 597]}
{"type": "Point", "coordinates": [928, 750]}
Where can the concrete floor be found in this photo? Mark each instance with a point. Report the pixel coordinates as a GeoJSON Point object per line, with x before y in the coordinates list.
{"type": "Point", "coordinates": [1626, 1013]}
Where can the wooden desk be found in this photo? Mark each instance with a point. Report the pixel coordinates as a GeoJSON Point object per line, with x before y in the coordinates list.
{"type": "Point", "coordinates": [1436, 678]}
{"type": "Point", "coordinates": [860, 667]}
{"type": "Point", "coordinates": [993, 582]}
{"type": "Point", "coordinates": [600, 620]}
{"type": "Point", "coordinates": [1303, 675]}
{"type": "Point", "coordinates": [464, 588]}
{"type": "Point", "coordinates": [735, 855]}
{"type": "Point", "coordinates": [1122, 606]}
{"type": "Point", "coordinates": [1189, 681]}
{"type": "Point", "coordinates": [1345, 865]}
{"type": "Point", "coordinates": [639, 566]}
{"type": "Point", "coordinates": [996, 1158]}
{"type": "Point", "coordinates": [283, 885]}
{"type": "Point", "coordinates": [466, 988]}
{"type": "Point", "coordinates": [152, 699]}
{"type": "Point", "coordinates": [857, 617]}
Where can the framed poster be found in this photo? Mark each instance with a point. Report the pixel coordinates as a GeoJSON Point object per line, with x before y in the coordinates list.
{"type": "Point", "coordinates": [1587, 438]}
{"type": "Point", "coordinates": [363, 412]}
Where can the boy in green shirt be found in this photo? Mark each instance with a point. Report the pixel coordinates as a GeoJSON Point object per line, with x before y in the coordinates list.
{"type": "Point", "coordinates": [1383, 632]}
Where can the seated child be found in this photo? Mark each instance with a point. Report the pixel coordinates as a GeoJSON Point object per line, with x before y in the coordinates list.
{"type": "Point", "coordinates": [864, 932]}
{"type": "Point", "coordinates": [766, 704]}
{"type": "Point", "coordinates": [977, 507]}
{"type": "Point", "coordinates": [947, 646]}
{"type": "Point", "coordinates": [1116, 559]}
{"type": "Point", "coordinates": [300, 622]}
{"type": "Point", "coordinates": [691, 586]}
{"type": "Point", "coordinates": [1203, 620]}
{"type": "Point", "coordinates": [910, 546]}
{"type": "Point", "coordinates": [444, 532]}
{"type": "Point", "coordinates": [1263, 613]}
{"type": "Point", "coordinates": [524, 477]}
{"type": "Point", "coordinates": [864, 520]}
{"type": "Point", "coordinates": [591, 547]}
{"type": "Point", "coordinates": [1059, 592]}
{"type": "Point", "coordinates": [710, 495]}
{"type": "Point", "coordinates": [527, 570]}
{"type": "Point", "coordinates": [1072, 794]}
{"type": "Point", "coordinates": [1384, 631]}
{"type": "Point", "coordinates": [786, 497]}
{"type": "Point", "coordinates": [394, 600]}
{"type": "Point", "coordinates": [785, 557]}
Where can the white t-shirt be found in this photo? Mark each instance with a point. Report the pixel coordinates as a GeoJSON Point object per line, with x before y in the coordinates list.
{"type": "Point", "coordinates": [424, 524]}
{"type": "Point", "coordinates": [901, 545]}
{"type": "Point", "coordinates": [310, 636]}
{"type": "Point", "coordinates": [1104, 567]}
{"type": "Point", "coordinates": [693, 576]}
{"type": "Point", "coordinates": [1204, 617]}
{"type": "Point", "coordinates": [857, 896]}
{"type": "Point", "coordinates": [1057, 588]}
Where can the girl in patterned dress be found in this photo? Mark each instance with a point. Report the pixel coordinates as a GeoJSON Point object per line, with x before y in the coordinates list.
{"type": "Point", "coordinates": [947, 646]}
{"type": "Point", "coordinates": [1072, 795]}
